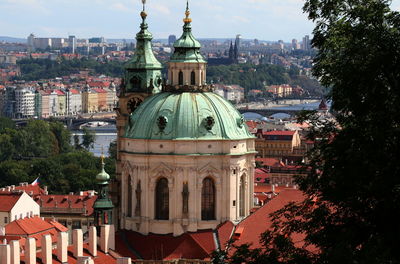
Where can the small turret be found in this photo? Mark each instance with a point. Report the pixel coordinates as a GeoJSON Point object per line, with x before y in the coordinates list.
{"type": "Point", "coordinates": [103, 207]}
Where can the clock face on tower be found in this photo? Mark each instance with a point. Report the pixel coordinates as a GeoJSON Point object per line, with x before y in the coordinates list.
{"type": "Point", "coordinates": [133, 104]}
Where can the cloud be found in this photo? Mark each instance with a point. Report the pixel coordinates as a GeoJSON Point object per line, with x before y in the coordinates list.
{"type": "Point", "coordinates": [121, 7]}
{"type": "Point", "coordinates": [160, 9]}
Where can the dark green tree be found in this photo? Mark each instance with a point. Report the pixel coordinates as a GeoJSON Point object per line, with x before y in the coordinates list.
{"type": "Point", "coordinates": [354, 184]}
{"type": "Point", "coordinates": [6, 123]}
{"type": "Point", "coordinates": [63, 136]}
{"type": "Point", "coordinates": [88, 138]}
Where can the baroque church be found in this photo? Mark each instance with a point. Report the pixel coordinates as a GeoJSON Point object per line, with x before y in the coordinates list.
{"type": "Point", "coordinates": [185, 156]}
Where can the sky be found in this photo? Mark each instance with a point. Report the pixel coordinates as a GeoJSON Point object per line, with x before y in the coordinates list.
{"type": "Point", "coordinates": [262, 19]}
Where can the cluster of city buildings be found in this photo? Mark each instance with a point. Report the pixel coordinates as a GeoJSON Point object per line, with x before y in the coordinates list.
{"type": "Point", "coordinates": [277, 91]}
{"type": "Point", "coordinates": [43, 100]}
{"type": "Point", "coordinates": [186, 180]}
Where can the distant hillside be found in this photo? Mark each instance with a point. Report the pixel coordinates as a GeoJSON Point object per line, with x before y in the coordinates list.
{"type": "Point", "coordinates": [12, 40]}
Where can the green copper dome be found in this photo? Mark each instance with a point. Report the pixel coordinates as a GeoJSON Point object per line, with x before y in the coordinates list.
{"type": "Point", "coordinates": [187, 116]}
{"type": "Point", "coordinates": [187, 47]}
{"type": "Point", "coordinates": [103, 177]}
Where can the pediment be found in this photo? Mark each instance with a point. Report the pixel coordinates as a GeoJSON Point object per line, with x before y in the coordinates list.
{"type": "Point", "coordinates": [208, 169]}
{"type": "Point", "coordinates": [163, 169]}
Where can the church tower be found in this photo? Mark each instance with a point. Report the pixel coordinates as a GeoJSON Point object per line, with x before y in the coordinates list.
{"type": "Point", "coordinates": [186, 155]}
{"type": "Point", "coordinates": [142, 79]}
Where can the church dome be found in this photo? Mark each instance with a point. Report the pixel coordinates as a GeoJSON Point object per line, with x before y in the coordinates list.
{"type": "Point", "coordinates": [187, 116]}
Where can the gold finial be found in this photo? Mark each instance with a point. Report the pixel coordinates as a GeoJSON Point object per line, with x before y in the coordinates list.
{"type": "Point", "coordinates": [143, 14]}
{"type": "Point", "coordinates": [187, 19]}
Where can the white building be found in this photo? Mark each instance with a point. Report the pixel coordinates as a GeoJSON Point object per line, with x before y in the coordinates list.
{"type": "Point", "coordinates": [74, 101]}
{"type": "Point", "coordinates": [14, 206]}
{"type": "Point", "coordinates": [24, 102]}
{"type": "Point", "coordinates": [233, 93]}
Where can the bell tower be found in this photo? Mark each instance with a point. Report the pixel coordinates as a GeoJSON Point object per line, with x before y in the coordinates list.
{"type": "Point", "coordinates": [142, 78]}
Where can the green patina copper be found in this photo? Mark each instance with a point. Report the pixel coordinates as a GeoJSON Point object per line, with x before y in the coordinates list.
{"type": "Point", "coordinates": [187, 116]}
{"type": "Point", "coordinates": [187, 48]}
{"type": "Point", "coordinates": [103, 206]}
{"type": "Point", "coordinates": [143, 70]}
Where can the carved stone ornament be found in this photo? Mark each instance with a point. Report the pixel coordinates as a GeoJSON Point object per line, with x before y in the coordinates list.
{"type": "Point", "coordinates": [209, 122]}
{"type": "Point", "coordinates": [240, 122]}
{"type": "Point", "coordinates": [162, 122]}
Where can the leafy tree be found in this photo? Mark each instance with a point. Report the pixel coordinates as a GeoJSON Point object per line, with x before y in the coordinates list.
{"type": "Point", "coordinates": [88, 138]}
{"type": "Point", "coordinates": [6, 123]}
{"type": "Point", "coordinates": [112, 150]}
{"type": "Point", "coordinates": [62, 135]}
{"type": "Point", "coordinates": [7, 149]}
{"type": "Point", "coordinates": [354, 184]}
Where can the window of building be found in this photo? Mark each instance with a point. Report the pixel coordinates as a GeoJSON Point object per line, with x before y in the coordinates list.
{"type": "Point", "coordinates": [208, 200]}
{"type": "Point", "coordinates": [193, 78]}
{"type": "Point", "coordinates": [129, 211]}
{"type": "Point", "coordinates": [162, 199]}
{"type": "Point", "coordinates": [5, 220]}
{"type": "Point", "coordinates": [180, 78]}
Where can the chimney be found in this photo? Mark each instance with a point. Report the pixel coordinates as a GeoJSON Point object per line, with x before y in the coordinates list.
{"type": "Point", "coordinates": [93, 241]}
{"type": "Point", "coordinates": [105, 238]}
{"type": "Point", "coordinates": [5, 255]}
{"type": "Point", "coordinates": [80, 193]}
{"type": "Point", "coordinates": [46, 250]}
{"type": "Point", "coordinates": [30, 251]}
{"type": "Point", "coordinates": [77, 245]}
{"type": "Point", "coordinates": [15, 253]}
{"type": "Point", "coordinates": [124, 261]}
{"type": "Point", "coordinates": [62, 247]}
{"type": "Point", "coordinates": [45, 189]}
{"type": "Point", "coordinates": [112, 237]}
{"type": "Point", "coordinates": [273, 188]}
{"type": "Point", "coordinates": [13, 187]}
{"type": "Point", "coordinates": [21, 184]}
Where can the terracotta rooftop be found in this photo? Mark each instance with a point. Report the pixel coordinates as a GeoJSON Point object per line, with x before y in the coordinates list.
{"type": "Point", "coordinates": [258, 222]}
{"type": "Point", "coordinates": [80, 204]}
{"type": "Point", "coordinates": [8, 201]}
{"type": "Point", "coordinates": [197, 245]}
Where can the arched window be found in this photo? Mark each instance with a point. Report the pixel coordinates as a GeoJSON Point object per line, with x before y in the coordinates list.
{"type": "Point", "coordinates": [208, 200]}
{"type": "Point", "coordinates": [162, 199]}
{"type": "Point", "coordinates": [129, 211]}
{"type": "Point", "coordinates": [242, 197]}
{"type": "Point", "coordinates": [180, 78]}
{"type": "Point", "coordinates": [192, 78]}
{"type": "Point", "coordinates": [202, 78]}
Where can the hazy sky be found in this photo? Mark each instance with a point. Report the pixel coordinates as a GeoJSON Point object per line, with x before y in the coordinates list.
{"type": "Point", "coordinates": [262, 19]}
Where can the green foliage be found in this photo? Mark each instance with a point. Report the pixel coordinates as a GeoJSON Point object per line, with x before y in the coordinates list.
{"type": "Point", "coordinates": [6, 123]}
{"type": "Point", "coordinates": [44, 150]}
{"type": "Point", "coordinates": [354, 184]}
{"type": "Point", "coordinates": [88, 138]}
{"type": "Point", "coordinates": [38, 69]}
{"type": "Point", "coordinates": [112, 150]}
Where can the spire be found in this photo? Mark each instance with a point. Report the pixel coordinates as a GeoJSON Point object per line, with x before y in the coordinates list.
{"type": "Point", "coordinates": [187, 19]}
{"type": "Point", "coordinates": [143, 66]}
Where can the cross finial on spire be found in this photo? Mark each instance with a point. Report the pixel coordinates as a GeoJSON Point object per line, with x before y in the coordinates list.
{"type": "Point", "coordinates": [144, 5]}
{"type": "Point", "coordinates": [187, 19]}
{"type": "Point", "coordinates": [143, 13]}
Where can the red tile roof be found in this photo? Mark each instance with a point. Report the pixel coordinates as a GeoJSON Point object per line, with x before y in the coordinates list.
{"type": "Point", "coordinates": [8, 201]}
{"type": "Point", "coordinates": [99, 90]}
{"type": "Point", "coordinates": [59, 202]}
{"type": "Point", "coordinates": [197, 245]}
{"type": "Point", "coordinates": [258, 222]}
{"type": "Point", "coordinates": [28, 226]}
{"type": "Point", "coordinates": [224, 232]}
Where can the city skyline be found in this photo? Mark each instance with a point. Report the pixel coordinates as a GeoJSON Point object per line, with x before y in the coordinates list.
{"type": "Point", "coordinates": [261, 19]}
